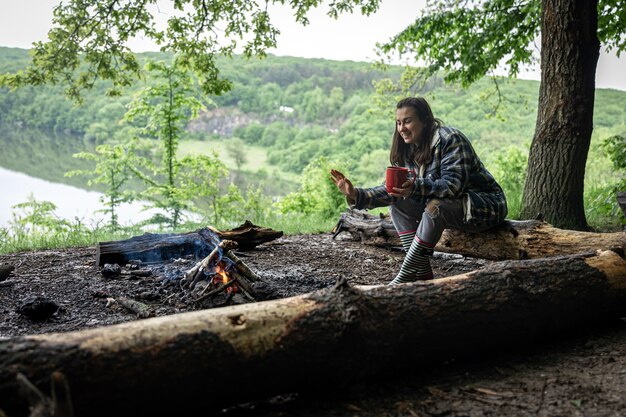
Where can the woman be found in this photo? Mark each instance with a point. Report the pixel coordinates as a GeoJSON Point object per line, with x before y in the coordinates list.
{"type": "Point", "coordinates": [452, 187]}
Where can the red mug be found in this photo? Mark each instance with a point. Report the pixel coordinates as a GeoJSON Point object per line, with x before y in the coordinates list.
{"type": "Point", "coordinates": [396, 176]}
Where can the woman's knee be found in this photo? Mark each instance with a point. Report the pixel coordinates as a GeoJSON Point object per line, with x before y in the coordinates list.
{"type": "Point", "coordinates": [407, 208]}
{"type": "Point", "coordinates": [432, 208]}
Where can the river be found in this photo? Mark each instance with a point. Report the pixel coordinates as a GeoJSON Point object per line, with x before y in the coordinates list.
{"type": "Point", "coordinates": [71, 202]}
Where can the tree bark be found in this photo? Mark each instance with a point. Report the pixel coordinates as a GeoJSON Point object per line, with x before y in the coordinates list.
{"type": "Point", "coordinates": [529, 239]}
{"type": "Point", "coordinates": [157, 247]}
{"type": "Point", "coordinates": [558, 153]}
{"type": "Point", "coordinates": [317, 341]}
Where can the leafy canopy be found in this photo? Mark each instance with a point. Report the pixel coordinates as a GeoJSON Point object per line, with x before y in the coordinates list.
{"type": "Point", "coordinates": [89, 39]}
{"type": "Point", "coordinates": [467, 39]}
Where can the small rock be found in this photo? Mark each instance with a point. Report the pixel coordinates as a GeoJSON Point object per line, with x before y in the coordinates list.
{"type": "Point", "coordinates": [99, 294]}
{"type": "Point", "coordinates": [111, 270]}
{"type": "Point", "coordinates": [37, 308]}
{"type": "Point", "coordinates": [134, 264]}
{"type": "Point", "coordinates": [5, 271]}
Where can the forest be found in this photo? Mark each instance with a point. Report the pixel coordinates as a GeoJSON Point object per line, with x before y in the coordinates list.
{"type": "Point", "coordinates": [274, 136]}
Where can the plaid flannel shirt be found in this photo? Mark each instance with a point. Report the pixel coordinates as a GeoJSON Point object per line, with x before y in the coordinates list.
{"type": "Point", "coordinates": [455, 171]}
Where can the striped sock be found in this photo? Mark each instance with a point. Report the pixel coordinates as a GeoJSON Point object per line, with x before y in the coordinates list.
{"type": "Point", "coordinates": [416, 265]}
{"type": "Point", "coordinates": [406, 238]}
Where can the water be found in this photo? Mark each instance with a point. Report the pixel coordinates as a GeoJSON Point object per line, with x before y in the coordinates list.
{"type": "Point", "coordinates": [71, 202]}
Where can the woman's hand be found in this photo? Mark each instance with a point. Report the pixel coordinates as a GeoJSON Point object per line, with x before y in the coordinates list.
{"type": "Point", "coordinates": [343, 183]}
{"type": "Point", "coordinates": [405, 191]}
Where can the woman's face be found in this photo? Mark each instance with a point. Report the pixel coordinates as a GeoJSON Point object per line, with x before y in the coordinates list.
{"type": "Point", "coordinates": [408, 124]}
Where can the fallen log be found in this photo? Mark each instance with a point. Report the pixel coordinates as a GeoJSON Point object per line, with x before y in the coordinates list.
{"type": "Point", "coordinates": [528, 239]}
{"type": "Point", "coordinates": [317, 341]}
{"type": "Point", "coordinates": [153, 247]}
{"type": "Point", "coordinates": [248, 236]}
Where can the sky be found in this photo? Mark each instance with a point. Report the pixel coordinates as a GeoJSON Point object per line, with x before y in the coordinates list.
{"type": "Point", "coordinates": [352, 37]}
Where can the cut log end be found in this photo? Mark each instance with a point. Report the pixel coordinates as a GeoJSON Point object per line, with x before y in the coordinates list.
{"type": "Point", "coordinates": [613, 265]}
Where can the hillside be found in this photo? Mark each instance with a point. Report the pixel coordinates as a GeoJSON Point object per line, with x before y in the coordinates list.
{"type": "Point", "coordinates": [291, 111]}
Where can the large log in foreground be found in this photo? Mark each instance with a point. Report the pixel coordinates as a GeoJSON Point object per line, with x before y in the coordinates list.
{"type": "Point", "coordinates": [158, 247]}
{"type": "Point", "coordinates": [528, 239]}
{"type": "Point", "coordinates": [316, 341]}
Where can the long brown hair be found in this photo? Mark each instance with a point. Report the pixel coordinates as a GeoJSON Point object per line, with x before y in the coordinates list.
{"type": "Point", "coordinates": [402, 153]}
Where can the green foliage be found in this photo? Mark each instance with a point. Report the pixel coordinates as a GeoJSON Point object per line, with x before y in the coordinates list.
{"type": "Point", "coordinates": [229, 205]}
{"type": "Point", "coordinates": [114, 166]}
{"type": "Point", "coordinates": [257, 206]}
{"type": "Point", "coordinates": [612, 24]}
{"type": "Point", "coordinates": [468, 41]}
{"type": "Point", "coordinates": [199, 183]}
{"type": "Point", "coordinates": [164, 110]}
{"type": "Point", "coordinates": [510, 172]}
{"type": "Point", "coordinates": [602, 198]}
{"type": "Point", "coordinates": [35, 220]}
{"type": "Point", "coordinates": [318, 195]}
{"type": "Point", "coordinates": [355, 134]}
{"type": "Point", "coordinates": [35, 225]}
{"type": "Point", "coordinates": [615, 147]}
{"type": "Point", "coordinates": [236, 150]}
{"type": "Point", "coordinates": [88, 41]}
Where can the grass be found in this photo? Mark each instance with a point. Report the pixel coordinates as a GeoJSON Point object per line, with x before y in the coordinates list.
{"type": "Point", "coordinates": [35, 237]}
{"type": "Point", "coordinates": [14, 241]}
{"type": "Point", "coordinates": [58, 239]}
{"type": "Point", "coordinates": [256, 159]}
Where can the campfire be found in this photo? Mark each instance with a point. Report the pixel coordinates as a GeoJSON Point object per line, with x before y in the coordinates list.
{"type": "Point", "coordinates": [168, 257]}
{"type": "Point", "coordinates": [221, 271]}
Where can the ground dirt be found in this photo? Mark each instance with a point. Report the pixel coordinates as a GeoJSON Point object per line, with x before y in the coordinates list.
{"type": "Point", "coordinates": [582, 374]}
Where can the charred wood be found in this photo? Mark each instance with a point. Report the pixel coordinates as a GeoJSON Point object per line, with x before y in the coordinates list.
{"type": "Point", "coordinates": [242, 267]}
{"type": "Point", "coordinates": [203, 296]}
{"type": "Point", "coordinates": [528, 239]}
{"type": "Point", "coordinates": [248, 236]}
{"type": "Point", "coordinates": [152, 247]}
{"type": "Point", "coordinates": [244, 285]}
{"type": "Point", "coordinates": [342, 334]}
{"type": "Point", "coordinates": [195, 273]}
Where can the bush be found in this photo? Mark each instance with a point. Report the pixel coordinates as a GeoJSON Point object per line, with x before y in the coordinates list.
{"type": "Point", "coordinates": [318, 195]}
{"type": "Point", "coordinates": [510, 172]}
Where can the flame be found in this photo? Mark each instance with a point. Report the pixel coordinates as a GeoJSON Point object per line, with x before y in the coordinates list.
{"type": "Point", "coordinates": [221, 277]}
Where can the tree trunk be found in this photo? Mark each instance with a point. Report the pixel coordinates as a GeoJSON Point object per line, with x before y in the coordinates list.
{"type": "Point", "coordinates": [529, 239]}
{"type": "Point", "coordinates": [556, 163]}
{"type": "Point", "coordinates": [621, 201]}
{"type": "Point", "coordinates": [321, 340]}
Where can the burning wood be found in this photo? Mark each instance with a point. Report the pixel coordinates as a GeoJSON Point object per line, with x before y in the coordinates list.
{"type": "Point", "coordinates": [195, 273]}
{"type": "Point", "coordinates": [224, 277]}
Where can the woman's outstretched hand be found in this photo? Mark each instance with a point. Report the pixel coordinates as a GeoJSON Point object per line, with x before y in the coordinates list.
{"type": "Point", "coordinates": [343, 183]}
